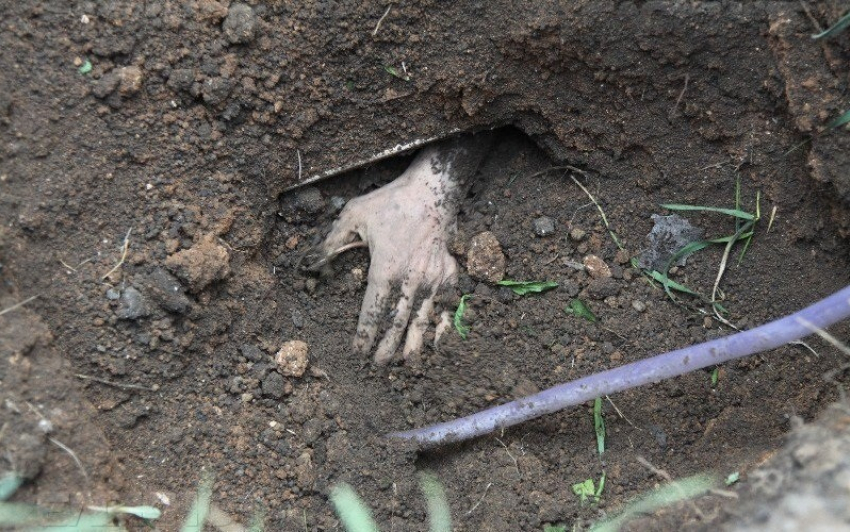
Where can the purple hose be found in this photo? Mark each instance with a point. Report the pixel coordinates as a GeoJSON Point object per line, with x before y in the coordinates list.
{"type": "Point", "coordinates": [769, 336]}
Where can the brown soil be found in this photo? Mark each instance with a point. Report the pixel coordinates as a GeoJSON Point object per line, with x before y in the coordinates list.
{"type": "Point", "coordinates": [193, 122]}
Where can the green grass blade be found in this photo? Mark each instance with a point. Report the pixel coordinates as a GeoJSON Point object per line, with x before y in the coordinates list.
{"type": "Point", "coordinates": [839, 120]}
{"type": "Point", "coordinates": [99, 522]}
{"type": "Point", "coordinates": [9, 484]}
{"type": "Point", "coordinates": [200, 507]}
{"type": "Point", "coordinates": [579, 309]}
{"type": "Point", "coordinates": [257, 521]}
{"type": "Point", "coordinates": [599, 425]}
{"type": "Point", "coordinates": [670, 284]}
{"type": "Point", "coordinates": [689, 250]}
{"type": "Point", "coordinates": [522, 288]}
{"type": "Point", "coordinates": [352, 511]}
{"type": "Point", "coordinates": [600, 487]}
{"type": "Point", "coordinates": [462, 330]}
{"type": "Point", "coordinates": [673, 492]}
{"type": "Point", "coordinates": [835, 29]}
{"type": "Point", "coordinates": [439, 514]}
{"type": "Point", "coordinates": [737, 213]}
{"type": "Point", "coordinates": [15, 514]}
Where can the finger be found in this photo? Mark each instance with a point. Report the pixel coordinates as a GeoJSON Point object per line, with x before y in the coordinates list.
{"type": "Point", "coordinates": [444, 325]}
{"type": "Point", "coordinates": [416, 331]}
{"type": "Point", "coordinates": [370, 312]}
{"type": "Point", "coordinates": [389, 344]}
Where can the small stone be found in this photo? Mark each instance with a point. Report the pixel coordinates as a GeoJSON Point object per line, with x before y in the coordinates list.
{"type": "Point", "coordinates": [181, 79]}
{"type": "Point", "coordinates": [292, 358]}
{"type": "Point", "coordinates": [216, 90]}
{"type": "Point", "coordinates": [113, 294]}
{"type": "Point", "coordinates": [275, 386]}
{"type": "Point", "coordinates": [639, 306]}
{"type": "Point", "coordinates": [596, 267]}
{"type": "Point", "coordinates": [130, 80]}
{"type": "Point", "coordinates": [577, 234]}
{"type": "Point", "coordinates": [210, 11]}
{"type": "Point", "coordinates": [167, 291]}
{"type": "Point", "coordinates": [240, 24]}
{"type": "Point", "coordinates": [106, 85]}
{"type": "Point", "coordinates": [603, 288]}
{"type": "Point", "coordinates": [622, 256]}
{"type": "Point", "coordinates": [131, 305]}
{"type": "Point", "coordinates": [251, 352]}
{"type": "Point", "coordinates": [544, 226]}
{"type": "Point", "coordinates": [485, 260]}
{"type": "Point", "coordinates": [247, 397]}
{"type": "Point", "coordinates": [202, 264]}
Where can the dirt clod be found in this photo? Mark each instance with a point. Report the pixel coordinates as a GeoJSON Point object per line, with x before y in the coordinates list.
{"type": "Point", "coordinates": [202, 264]}
{"type": "Point", "coordinates": [485, 260]}
{"type": "Point", "coordinates": [240, 24]}
{"type": "Point", "coordinates": [292, 358]}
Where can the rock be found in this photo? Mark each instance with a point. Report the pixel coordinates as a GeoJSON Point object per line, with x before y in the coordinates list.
{"type": "Point", "coordinates": [112, 294]}
{"type": "Point", "coordinates": [292, 358]}
{"type": "Point", "coordinates": [638, 305]}
{"type": "Point", "coordinates": [106, 85]}
{"type": "Point", "coordinates": [596, 267]}
{"type": "Point", "coordinates": [131, 305]}
{"type": "Point", "coordinates": [544, 226]}
{"type": "Point", "coordinates": [275, 386]}
{"type": "Point", "coordinates": [216, 90]}
{"type": "Point", "coordinates": [210, 11]}
{"type": "Point", "coordinates": [485, 260]}
{"type": "Point", "coordinates": [167, 292]}
{"type": "Point", "coordinates": [181, 79]}
{"type": "Point", "coordinates": [240, 25]}
{"type": "Point", "coordinates": [600, 289]}
{"type": "Point", "coordinates": [251, 352]}
{"type": "Point", "coordinates": [202, 264]}
{"type": "Point", "coordinates": [130, 78]}
{"type": "Point", "coordinates": [668, 236]}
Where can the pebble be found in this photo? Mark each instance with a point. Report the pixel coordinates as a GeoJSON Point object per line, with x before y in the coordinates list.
{"type": "Point", "coordinates": [544, 226]}
{"type": "Point", "coordinates": [113, 294]}
{"type": "Point", "coordinates": [603, 288]}
{"type": "Point", "coordinates": [130, 80]}
{"type": "Point", "coordinates": [292, 358]}
{"type": "Point", "coordinates": [275, 386]}
{"type": "Point", "coordinates": [639, 306]}
{"type": "Point", "coordinates": [577, 234]}
{"type": "Point", "coordinates": [167, 291]}
{"type": "Point", "coordinates": [596, 267]}
{"type": "Point", "coordinates": [240, 24]}
{"type": "Point", "coordinates": [216, 90]}
{"type": "Point", "coordinates": [485, 260]}
{"type": "Point", "coordinates": [131, 305]}
{"type": "Point", "coordinates": [251, 352]}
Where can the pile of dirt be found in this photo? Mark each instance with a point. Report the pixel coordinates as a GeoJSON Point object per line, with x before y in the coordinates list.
{"type": "Point", "coordinates": [145, 148]}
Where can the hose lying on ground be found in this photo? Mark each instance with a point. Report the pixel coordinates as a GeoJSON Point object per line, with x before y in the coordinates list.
{"type": "Point", "coordinates": [651, 370]}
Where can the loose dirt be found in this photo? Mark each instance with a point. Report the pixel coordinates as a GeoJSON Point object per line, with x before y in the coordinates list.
{"type": "Point", "coordinates": [180, 128]}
